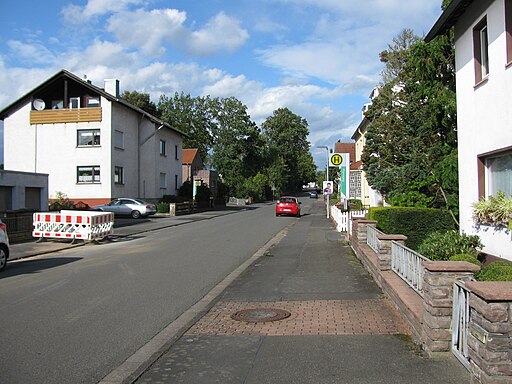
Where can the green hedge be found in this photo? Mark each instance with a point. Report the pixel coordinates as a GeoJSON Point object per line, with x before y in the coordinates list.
{"type": "Point", "coordinates": [415, 223]}
{"type": "Point", "coordinates": [497, 271]}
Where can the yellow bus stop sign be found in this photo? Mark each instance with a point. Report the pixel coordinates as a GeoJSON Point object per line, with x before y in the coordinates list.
{"type": "Point", "coordinates": [336, 159]}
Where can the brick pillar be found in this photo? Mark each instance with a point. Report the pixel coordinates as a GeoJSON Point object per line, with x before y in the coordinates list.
{"type": "Point", "coordinates": [490, 332]}
{"type": "Point", "coordinates": [359, 230]}
{"type": "Point", "coordinates": [438, 300]}
{"type": "Point", "coordinates": [385, 249]}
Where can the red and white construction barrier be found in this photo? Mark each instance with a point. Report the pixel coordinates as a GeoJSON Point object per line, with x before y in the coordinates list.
{"type": "Point", "coordinates": [82, 225]}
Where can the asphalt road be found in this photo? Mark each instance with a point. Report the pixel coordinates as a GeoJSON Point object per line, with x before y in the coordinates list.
{"type": "Point", "coordinates": [87, 309]}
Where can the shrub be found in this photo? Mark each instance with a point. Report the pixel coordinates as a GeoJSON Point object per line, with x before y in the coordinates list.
{"type": "Point", "coordinates": [162, 207]}
{"type": "Point", "coordinates": [61, 202]}
{"type": "Point", "coordinates": [466, 257]}
{"type": "Point", "coordinates": [355, 204]}
{"type": "Point", "coordinates": [443, 245]}
{"type": "Point", "coordinates": [497, 271]}
{"type": "Point", "coordinates": [415, 223]}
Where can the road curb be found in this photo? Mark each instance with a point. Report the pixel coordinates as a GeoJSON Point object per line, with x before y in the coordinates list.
{"type": "Point", "coordinates": [142, 359]}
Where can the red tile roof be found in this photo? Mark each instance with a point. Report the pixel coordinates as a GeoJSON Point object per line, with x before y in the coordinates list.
{"type": "Point", "coordinates": [189, 155]}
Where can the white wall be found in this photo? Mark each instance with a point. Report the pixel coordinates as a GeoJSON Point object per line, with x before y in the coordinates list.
{"type": "Point", "coordinates": [484, 116]}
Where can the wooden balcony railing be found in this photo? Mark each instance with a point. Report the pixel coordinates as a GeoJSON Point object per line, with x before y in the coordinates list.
{"type": "Point", "coordinates": [51, 116]}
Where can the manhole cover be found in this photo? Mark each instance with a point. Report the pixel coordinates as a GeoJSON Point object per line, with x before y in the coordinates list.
{"type": "Point", "coordinates": [260, 315]}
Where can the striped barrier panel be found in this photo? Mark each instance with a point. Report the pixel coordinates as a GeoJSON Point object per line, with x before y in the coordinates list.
{"type": "Point", "coordinates": [82, 225]}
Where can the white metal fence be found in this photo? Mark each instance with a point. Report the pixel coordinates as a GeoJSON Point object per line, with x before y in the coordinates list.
{"type": "Point", "coordinates": [460, 322]}
{"type": "Point", "coordinates": [371, 238]}
{"type": "Point", "coordinates": [407, 264]}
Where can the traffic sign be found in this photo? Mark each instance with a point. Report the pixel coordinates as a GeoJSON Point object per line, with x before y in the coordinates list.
{"type": "Point", "coordinates": [336, 159]}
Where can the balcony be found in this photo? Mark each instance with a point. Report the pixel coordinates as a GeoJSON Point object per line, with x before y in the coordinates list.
{"type": "Point", "coordinates": [54, 116]}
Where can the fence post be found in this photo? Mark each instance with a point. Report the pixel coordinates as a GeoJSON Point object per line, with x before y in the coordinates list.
{"type": "Point", "coordinates": [384, 255]}
{"type": "Point", "coordinates": [490, 332]}
{"type": "Point", "coordinates": [359, 230]}
{"type": "Point", "coordinates": [438, 300]}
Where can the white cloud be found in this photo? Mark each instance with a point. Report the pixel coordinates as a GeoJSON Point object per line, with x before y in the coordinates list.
{"type": "Point", "coordinates": [148, 30]}
{"type": "Point", "coordinates": [33, 53]}
{"type": "Point", "coordinates": [221, 33]}
{"type": "Point", "coordinates": [75, 14]}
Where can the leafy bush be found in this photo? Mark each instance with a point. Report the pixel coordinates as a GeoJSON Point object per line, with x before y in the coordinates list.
{"type": "Point", "coordinates": [466, 257]}
{"type": "Point", "coordinates": [355, 205]}
{"type": "Point", "coordinates": [496, 211]}
{"type": "Point", "coordinates": [443, 245]}
{"type": "Point", "coordinates": [162, 207]}
{"type": "Point", "coordinates": [61, 202]}
{"type": "Point", "coordinates": [415, 223]}
{"type": "Point", "coordinates": [497, 271]}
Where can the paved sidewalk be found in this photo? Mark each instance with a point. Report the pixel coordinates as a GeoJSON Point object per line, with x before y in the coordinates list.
{"type": "Point", "coordinates": [337, 326]}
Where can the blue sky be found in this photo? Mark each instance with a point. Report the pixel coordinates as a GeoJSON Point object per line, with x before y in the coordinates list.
{"type": "Point", "coordinates": [319, 58]}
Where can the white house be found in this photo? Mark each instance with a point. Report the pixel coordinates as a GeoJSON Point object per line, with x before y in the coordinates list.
{"type": "Point", "coordinates": [369, 196]}
{"type": "Point", "coordinates": [93, 145]}
{"type": "Point", "coordinates": [483, 56]}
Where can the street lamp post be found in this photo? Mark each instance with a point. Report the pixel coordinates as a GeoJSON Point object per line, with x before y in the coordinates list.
{"type": "Point", "coordinates": [326, 176]}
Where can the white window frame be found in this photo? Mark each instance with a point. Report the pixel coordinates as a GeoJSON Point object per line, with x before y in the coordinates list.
{"type": "Point", "coordinates": [74, 100]}
{"type": "Point", "coordinates": [162, 148]}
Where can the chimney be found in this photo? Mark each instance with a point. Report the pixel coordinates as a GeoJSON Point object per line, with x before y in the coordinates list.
{"type": "Point", "coordinates": [112, 87]}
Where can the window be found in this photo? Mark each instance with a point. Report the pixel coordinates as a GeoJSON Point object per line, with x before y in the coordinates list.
{"type": "Point", "coordinates": [163, 181]}
{"type": "Point", "coordinates": [162, 147]}
{"type": "Point", "coordinates": [481, 51]}
{"type": "Point", "coordinates": [495, 173]}
{"type": "Point", "coordinates": [74, 102]}
{"type": "Point", "coordinates": [508, 29]}
{"type": "Point", "coordinates": [88, 137]}
{"type": "Point", "coordinates": [176, 182]}
{"type": "Point", "coordinates": [92, 102]}
{"type": "Point", "coordinates": [118, 139]}
{"type": "Point", "coordinates": [118, 175]}
{"type": "Point", "coordinates": [176, 152]}
{"type": "Point", "coordinates": [88, 174]}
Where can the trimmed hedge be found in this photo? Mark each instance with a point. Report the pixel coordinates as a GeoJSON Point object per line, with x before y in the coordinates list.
{"type": "Point", "coordinates": [466, 257]}
{"type": "Point", "coordinates": [497, 271]}
{"type": "Point", "coordinates": [415, 223]}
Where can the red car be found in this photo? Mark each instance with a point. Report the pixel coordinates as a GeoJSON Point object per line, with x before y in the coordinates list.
{"type": "Point", "coordinates": [288, 205]}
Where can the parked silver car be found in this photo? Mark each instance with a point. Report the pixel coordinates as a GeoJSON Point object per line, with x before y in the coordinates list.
{"type": "Point", "coordinates": [126, 206]}
{"type": "Point", "coordinates": [4, 246]}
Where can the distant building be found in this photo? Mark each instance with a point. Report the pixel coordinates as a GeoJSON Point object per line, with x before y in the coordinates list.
{"type": "Point", "coordinates": [93, 145]}
{"type": "Point", "coordinates": [191, 163]}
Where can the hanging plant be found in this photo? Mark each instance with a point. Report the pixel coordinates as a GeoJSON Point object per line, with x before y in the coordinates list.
{"type": "Point", "coordinates": [494, 211]}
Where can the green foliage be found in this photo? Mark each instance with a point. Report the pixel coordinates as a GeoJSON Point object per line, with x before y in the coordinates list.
{"type": "Point", "coordinates": [410, 155]}
{"type": "Point", "coordinates": [415, 223]}
{"type": "Point", "coordinates": [141, 100]}
{"type": "Point", "coordinates": [289, 161]}
{"type": "Point", "coordinates": [443, 245]}
{"type": "Point", "coordinates": [466, 257]}
{"type": "Point", "coordinates": [495, 211]}
{"type": "Point", "coordinates": [61, 202]}
{"type": "Point", "coordinates": [203, 193]}
{"type": "Point", "coordinates": [496, 271]}
{"type": "Point", "coordinates": [162, 207]}
{"type": "Point", "coordinates": [355, 204]}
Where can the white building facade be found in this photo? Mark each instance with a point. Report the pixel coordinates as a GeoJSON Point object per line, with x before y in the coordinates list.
{"type": "Point", "coordinates": [483, 46]}
{"type": "Point", "coordinates": [93, 145]}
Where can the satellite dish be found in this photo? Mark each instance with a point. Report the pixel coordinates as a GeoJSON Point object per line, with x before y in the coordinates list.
{"type": "Point", "coordinates": [38, 104]}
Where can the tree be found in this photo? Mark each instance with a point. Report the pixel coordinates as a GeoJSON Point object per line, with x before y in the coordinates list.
{"type": "Point", "coordinates": [193, 116]}
{"type": "Point", "coordinates": [141, 100]}
{"type": "Point", "coordinates": [237, 143]}
{"type": "Point", "coordinates": [411, 142]}
{"type": "Point", "coordinates": [287, 150]}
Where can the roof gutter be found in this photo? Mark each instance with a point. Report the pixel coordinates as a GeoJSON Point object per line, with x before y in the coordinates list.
{"type": "Point", "coordinates": [448, 18]}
